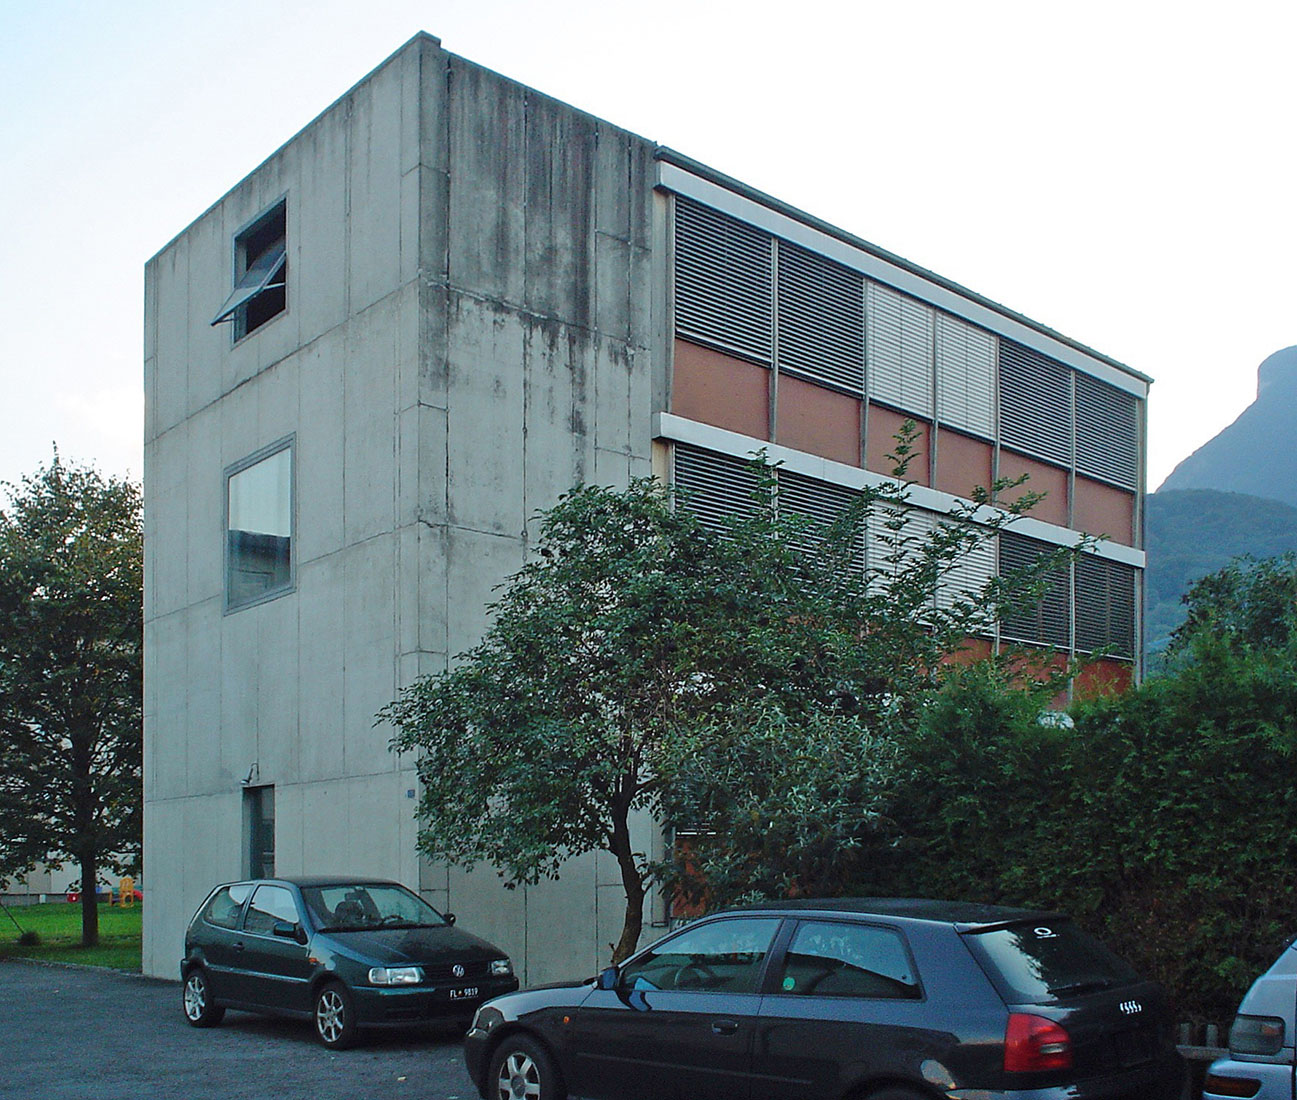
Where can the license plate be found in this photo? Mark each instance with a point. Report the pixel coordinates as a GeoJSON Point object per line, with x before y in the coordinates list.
{"type": "Point", "coordinates": [463, 994]}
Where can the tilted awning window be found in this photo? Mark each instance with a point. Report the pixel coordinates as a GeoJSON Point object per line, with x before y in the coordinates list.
{"type": "Point", "coordinates": [265, 273]}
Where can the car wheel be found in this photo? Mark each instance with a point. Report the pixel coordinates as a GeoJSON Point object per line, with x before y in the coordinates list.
{"type": "Point", "coordinates": [896, 1093]}
{"type": "Point", "coordinates": [335, 1017]}
{"type": "Point", "coordinates": [200, 1009]}
{"type": "Point", "coordinates": [522, 1069]}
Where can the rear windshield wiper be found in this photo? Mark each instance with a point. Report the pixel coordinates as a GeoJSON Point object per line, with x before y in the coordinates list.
{"type": "Point", "coordinates": [1091, 985]}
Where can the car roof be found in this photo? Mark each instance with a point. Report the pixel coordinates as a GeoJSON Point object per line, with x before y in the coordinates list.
{"type": "Point", "coordinates": [323, 880]}
{"type": "Point", "coordinates": [964, 913]}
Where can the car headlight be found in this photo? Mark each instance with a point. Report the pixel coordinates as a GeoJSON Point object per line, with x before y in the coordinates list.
{"type": "Point", "coordinates": [501, 968]}
{"type": "Point", "coordinates": [395, 975]}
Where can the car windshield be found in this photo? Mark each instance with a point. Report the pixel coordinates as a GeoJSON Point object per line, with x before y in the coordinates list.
{"type": "Point", "coordinates": [1038, 962]}
{"type": "Point", "coordinates": [348, 907]}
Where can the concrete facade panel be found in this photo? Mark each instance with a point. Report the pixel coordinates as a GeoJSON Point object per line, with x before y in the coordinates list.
{"type": "Point", "coordinates": [486, 157]}
{"type": "Point", "coordinates": [211, 274]}
{"type": "Point", "coordinates": [374, 188]}
{"type": "Point", "coordinates": [321, 661]}
{"type": "Point", "coordinates": [475, 562]}
{"type": "Point", "coordinates": [484, 445]}
{"type": "Point", "coordinates": [205, 772]}
{"type": "Point", "coordinates": [718, 389]}
{"type": "Point", "coordinates": [369, 425]}
{"type": "Point", "coordinates": [1101, 509]}
{"type": "Point", "coordinates": [318, 288]}
{"type": "Point", "coordinates": [204, 489]}
{"type": "Point", "coordinates": [240, 675]}
{"type": "Point", "coordinates": [165, 766]}
{"type": "Point", "coordinates": [277, 689]}
{"type": "Point", "coordinates": [434, 591]}
{"type": "Point", "coordinates": [1041, 478]}
{"type": "Point", "coordinates": [319, 448]}
{"type": "Point", "coordinates": [170, 390]}
{"type": "Point", "coordinates": [818, 420]}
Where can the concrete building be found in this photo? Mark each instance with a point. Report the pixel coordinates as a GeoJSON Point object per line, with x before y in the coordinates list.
{"type": "Point", "coordinates": [439, 306]}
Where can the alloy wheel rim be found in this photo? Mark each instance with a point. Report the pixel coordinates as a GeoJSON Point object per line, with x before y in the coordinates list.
{"type": "Point", "coordinates": [329, 1016]}
{"type": "Point", "coordinates": [195, 998]}
{"type": "Point", "coordinates": [519, 1078]}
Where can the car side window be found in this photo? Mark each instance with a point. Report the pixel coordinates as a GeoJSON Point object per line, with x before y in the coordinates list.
{"type": "Point", "coordinates": [270, 904]}
{"type": "Point", "coordinates": [839, 959]}
{"type": "Point", "coordinates": [225, 905]}
{"type": "Point", "coordinates": [723, 956]}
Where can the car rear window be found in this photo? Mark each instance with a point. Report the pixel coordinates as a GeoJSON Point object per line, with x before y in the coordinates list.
{"type": "Point", "coordinates": [1035, 963]}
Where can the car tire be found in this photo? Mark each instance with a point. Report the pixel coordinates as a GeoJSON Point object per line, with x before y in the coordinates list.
{"type": "Point", "coordinates": [335, 1016]}
{"type": "Point", "coordinates": [522, 1067]}
{"type": "Point", "coordinates": [200, 1009]}
{"type": "Point", "coordinates": [897, 1092]}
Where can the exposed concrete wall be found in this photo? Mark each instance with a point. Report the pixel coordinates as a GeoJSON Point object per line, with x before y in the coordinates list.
{"type": "Point", "coordinates": [472, 285]}
{"type": "Point", "coordinates": [537, 306]}
{"type": "Point", "coordinates": [288, 687]}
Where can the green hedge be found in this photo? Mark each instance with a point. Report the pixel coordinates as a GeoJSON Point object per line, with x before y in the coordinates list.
{"type": "Point", "coordinates": [1165, 821]}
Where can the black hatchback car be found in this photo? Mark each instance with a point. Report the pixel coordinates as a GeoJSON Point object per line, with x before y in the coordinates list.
{"type": "Point", "coordinates": [347, 953]}
{"type": "Point", "coordinates": [888, 999]}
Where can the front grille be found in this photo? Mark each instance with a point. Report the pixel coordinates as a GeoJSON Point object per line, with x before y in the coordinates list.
{"type": "Point", "coordinates": [476, 969]}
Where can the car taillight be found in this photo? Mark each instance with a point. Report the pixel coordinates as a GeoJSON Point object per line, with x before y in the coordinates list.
{"type": "Point", "coordinates": [1033, 1044]}
{"type": "Point", "coordinates": [1218, 1085]}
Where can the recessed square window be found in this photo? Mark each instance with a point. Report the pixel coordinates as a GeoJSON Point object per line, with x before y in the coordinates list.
{"type": "Point", "coordinates": [260, 273]}
{"type": "Point", "coordinates": [259, 528]}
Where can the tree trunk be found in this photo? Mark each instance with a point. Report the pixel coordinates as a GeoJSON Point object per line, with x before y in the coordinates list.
{"type": "Point", "coordinates": [632, 883]}
{"type": "Point", "coordinates": [89, 902]}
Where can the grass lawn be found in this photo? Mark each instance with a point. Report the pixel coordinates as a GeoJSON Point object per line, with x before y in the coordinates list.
{"type": "Point", "coordinates": [58, 924]}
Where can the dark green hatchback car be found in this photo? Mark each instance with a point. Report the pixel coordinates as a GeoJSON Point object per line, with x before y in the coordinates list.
{"type": "Point", "coordinates": [345, 953]}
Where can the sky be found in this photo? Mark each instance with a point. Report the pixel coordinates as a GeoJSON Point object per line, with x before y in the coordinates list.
{"type": "Point", "coordinates": [1121, 172]}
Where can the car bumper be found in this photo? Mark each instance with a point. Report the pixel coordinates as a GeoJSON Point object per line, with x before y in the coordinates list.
{"type": "Point", "coordinates": [1160, 1080]}
{"type": "Point", "coordinates": [1249, 1080]}
{"type": "Point", "coordinates": [378, 1005]}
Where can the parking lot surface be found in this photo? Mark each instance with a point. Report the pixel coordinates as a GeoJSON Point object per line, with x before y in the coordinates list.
{"type": "Point", "coordinates": [74, 1033]}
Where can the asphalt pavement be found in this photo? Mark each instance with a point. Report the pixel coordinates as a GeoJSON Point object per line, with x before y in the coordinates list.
{"type": "Point", "coordinates": [84, 1034]}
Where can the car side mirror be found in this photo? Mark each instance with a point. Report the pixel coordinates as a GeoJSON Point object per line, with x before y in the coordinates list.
{"type": "Point", "coordinates": [450, 917]}
{"type": "Point", "coordinates": [607, 978]}
{"type": "Point", "coordinates": [287, 930]}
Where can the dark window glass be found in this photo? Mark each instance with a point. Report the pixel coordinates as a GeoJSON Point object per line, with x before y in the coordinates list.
{"type": "Point", "coordinates": [833, 959]}
{"type": "Point", "coordinates": [368, 905]}
{"type": "Point", "coordinates": [259, 830]}
{"type": "Point", "coordinates": [259, 533]}
{"type": "Point", "coordinates": [725, 956]}
{"type": "Point", "coordinates": [269, 905]}
{"type": "Point", "coordinates": [260, 274]}
{"type": "Point", "coordinates": [1048, 961]}
{"type": "Point", "coordinates": [226, 904]}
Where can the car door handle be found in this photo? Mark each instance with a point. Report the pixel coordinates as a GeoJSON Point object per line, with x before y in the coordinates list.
{"type": "Point", "coordinates": [724, 1027]}
{"type": "Point", "coordinates": [237, 945]}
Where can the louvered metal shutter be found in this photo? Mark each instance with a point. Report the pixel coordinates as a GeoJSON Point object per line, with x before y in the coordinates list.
{"type": "Point", "coordinates": [1105, 606]}
{"type": "Point", "coordinates": [1035, 403]}
{"type": "Point", "coordinates": [968, 575]}
{"type": "Point", "coordinates": [1107, 432]}
{"type": "Point", "coordinates": [713, 486]}
{"type": "Point", "coordinates": [820, 502]}
{"type": "Point", "coordinates": [821, 319]}
{"type": "Point", "coordinates": [891, 551]}
{"type": "Point", "coordinates": [1047, 623]}
{"type": "Point", "coordinates": [898, 341]}
{"type": "Point", "coordinates": [724, 282]}
{"type": "Point", "coordinates": [965, 376]}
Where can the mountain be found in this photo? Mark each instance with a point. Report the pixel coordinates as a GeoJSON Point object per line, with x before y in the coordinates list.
{"type": "Point", "coordinates": [1255, 454]}
{"type": "Point", "coordinates": [1192, 532]}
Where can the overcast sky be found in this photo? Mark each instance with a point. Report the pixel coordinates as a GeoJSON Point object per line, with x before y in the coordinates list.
{"type": "Point", "coordinates": [1122, 172]}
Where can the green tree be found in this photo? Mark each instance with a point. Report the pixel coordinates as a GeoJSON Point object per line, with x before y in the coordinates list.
{"type": "Point", "coordinates": [71, 630]}
{"type": "Point", "coordinates": [639, 656]}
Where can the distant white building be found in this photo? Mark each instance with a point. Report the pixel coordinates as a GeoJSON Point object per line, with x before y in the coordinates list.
{"type": "Point", "coordinates": [439, 306]}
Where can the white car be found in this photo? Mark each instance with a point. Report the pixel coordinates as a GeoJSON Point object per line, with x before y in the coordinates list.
{"type": "Point", "coordinates": [1260, 1062]}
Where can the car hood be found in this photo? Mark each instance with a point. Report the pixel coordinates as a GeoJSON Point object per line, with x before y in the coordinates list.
{"type": "Point", "coordinates": [407, 946]}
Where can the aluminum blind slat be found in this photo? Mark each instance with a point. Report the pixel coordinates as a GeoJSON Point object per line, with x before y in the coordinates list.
{"type": "Point", "coordinates": [965, 376]}
{"type": "Point", "coordinates": [821, 503]}
{"type": "Point", "coordinates": [1105, 606]}
{"type": "Point", "coordinates": [898, 343]}
{"type": "Point", "coordinates": [1035, 403]}
{"type": "Point", "coordinates": [717, 487]}
{"type": "Point", "coordinates": [1048, 622]}
{"type": "Point", "coordinates": [821, 319]}
{"type": "Point", "coordinates": [1107, 432]}
{"type": "Point", "coordinates": [723, 282]}
{"type": "Point", "coordinates": [968, 575]}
